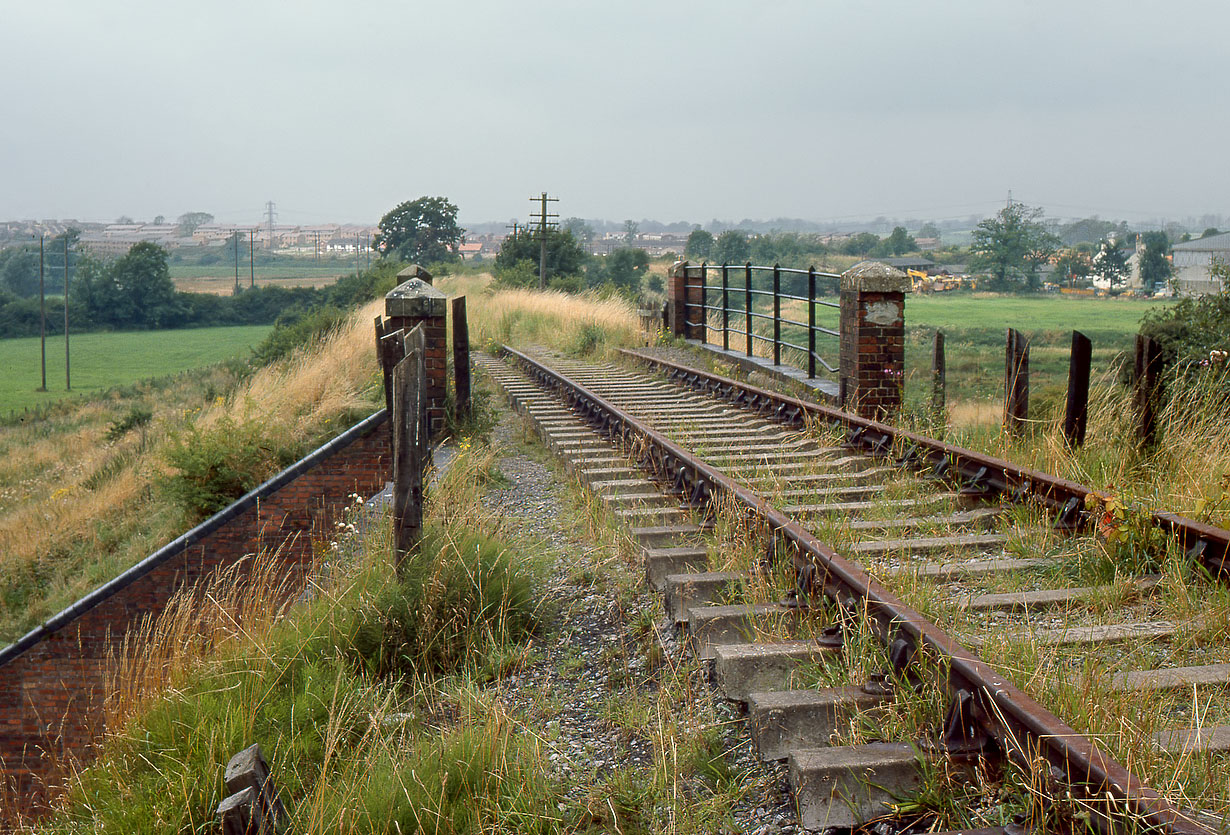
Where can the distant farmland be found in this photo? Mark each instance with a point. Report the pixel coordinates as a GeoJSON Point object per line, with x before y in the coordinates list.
{"type": "Point", "coordinates": [103, 360]}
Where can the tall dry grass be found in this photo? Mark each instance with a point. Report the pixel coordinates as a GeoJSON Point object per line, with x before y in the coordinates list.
{"type": "Point", "coordinates": [575, 323]}
{"type": "Point", "coordinates": [353, 734]}
{"type": "Point", "coordinates": [1186, 470]}
{"type": "Point", "coordinates": [77, 508]}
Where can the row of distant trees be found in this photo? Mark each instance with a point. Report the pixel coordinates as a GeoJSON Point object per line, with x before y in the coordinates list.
{"type": "Point", "coordinates": [1012, 246]}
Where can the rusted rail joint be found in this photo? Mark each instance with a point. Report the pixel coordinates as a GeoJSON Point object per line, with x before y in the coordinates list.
{"type": "Point", "coordinates": [972, 472]}
{"type": "Point", "coordinates": [981, 699]}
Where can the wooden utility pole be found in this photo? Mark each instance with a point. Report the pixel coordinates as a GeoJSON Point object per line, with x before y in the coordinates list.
{"type": "Point", "coordinates": [461, 359]}
{"type": "Point", "coordinates": [235, 240]}
{"type": "Point", "coordinates": [68, 379]}
{"type": "Point", "coordinates": [544, 223]}
{"type": "Point", "coordinates": [42, 313]}
{"type": "Point", "coordinates": [251, 259]}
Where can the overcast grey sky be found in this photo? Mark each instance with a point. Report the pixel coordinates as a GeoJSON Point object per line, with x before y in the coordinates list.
{"type": "Point", "coordinates": [667, 110]}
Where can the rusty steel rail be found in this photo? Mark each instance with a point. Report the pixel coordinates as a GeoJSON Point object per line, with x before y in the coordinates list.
{"type": "Point", "coordinates": [974, 472]}
{"type": "Point", "coordinates": [984, 706]}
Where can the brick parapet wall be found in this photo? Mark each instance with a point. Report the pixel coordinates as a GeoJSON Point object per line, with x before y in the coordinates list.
{"type": "Point", "coordinates": [51, 684]}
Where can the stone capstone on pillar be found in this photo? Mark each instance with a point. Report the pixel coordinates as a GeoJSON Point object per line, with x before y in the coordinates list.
{"type": "Point", "coordinates": [872, 368]}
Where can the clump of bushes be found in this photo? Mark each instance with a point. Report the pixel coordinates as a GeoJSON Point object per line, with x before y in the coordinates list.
{"type": "Point", "coordinates": [137, 416]}
{"type": "Point", "coordinates": [460, 597]}
{"type": "Point", "coordinates": [216, 465]}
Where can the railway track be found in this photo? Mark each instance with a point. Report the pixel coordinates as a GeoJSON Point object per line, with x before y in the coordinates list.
{"type": "Point", "coordinates": [891, 609]}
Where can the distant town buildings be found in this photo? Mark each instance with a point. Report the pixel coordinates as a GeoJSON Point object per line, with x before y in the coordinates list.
{"type": "Point", "coordinates": [1193, 260]}
{"type": "Point", "coordinates": [110, 240]}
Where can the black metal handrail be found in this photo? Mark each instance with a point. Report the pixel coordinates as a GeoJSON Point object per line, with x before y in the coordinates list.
{"type": "Point", "coordinates": [748, 314]}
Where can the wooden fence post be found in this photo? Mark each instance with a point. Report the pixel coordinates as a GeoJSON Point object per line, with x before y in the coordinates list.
{"type": "Point", "coordinates": [461, 359]}
{"type": "Point", "coordinates": [1146, 373]}
{"type": "Point", "coordinates": [939, 381]}
{"type": "Point", "coordinates": [1076, 415]}
{"type": "Point", "coordinates": [1016, 382]}
{"type": "Point", "coordinates": [409, 446]}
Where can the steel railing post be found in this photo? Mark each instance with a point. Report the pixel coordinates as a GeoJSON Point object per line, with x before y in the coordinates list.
{"type": "Point", "coordinates": [777, 314]}
{"type": "Point", "coordinates": [704, 303]}
{"type": "Point", "coordinates": [725, 309]}
{"type": "Point", "coordinates": [747, 275]}
{"type": "Point", "coordinates": [811, 323]}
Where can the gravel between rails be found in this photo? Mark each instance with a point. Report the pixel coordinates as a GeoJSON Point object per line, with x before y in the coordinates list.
{"type": "Point", "coordinates": [589, 656]}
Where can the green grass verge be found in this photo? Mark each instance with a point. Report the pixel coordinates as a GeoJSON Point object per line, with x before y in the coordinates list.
{"type": "Point", "coordinates": [102, 360]}
{"type": "Point", "coordinates": [974, 330]}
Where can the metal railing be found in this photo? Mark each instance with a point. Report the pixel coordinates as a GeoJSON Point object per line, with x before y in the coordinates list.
{"type": "Point", "coordinates": [745, 294]}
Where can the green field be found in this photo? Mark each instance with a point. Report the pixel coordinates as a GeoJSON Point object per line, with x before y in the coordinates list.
{"type": "Point", "coordinates": [102, 360]}
{"type": "Point", "coordinates": [974, 332]}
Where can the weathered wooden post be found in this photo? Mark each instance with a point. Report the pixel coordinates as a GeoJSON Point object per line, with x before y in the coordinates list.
{"type": "Point", "coordinates": [872, 367]}
{"type": "Point", "coordinates": [1146, 374]}
{"type": "Point", "coordinates": [409, 446]}
{"type": "Point", "coordinates": [254, 807]}
{"type": "Point", "coordinates": [939, 381]}
{"type": "Point", "coordinates": [416, 302]}
{"type": "Point", "coordinates": [1016, 382]}
{"type": "Point", "coordinates": [461, 360]}
{"type": "Point", "coordinates": [1076, 413]}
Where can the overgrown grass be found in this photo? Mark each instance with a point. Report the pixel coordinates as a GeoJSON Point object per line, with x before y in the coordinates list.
{"type": "Point", "coordinates": [341, 692]}
{"type": "Point", "coordinates": [80, 501]}
{"type": "Point", "coordinates": [583, 324]}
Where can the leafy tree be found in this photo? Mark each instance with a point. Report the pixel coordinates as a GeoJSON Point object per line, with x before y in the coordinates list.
{"type": "Point", "coordinates": [1012, 245]}
{"type": "Point", "coordinates": [631, 228]}
{"type": "Point", "coordinates": [19, 270]}
{"type": "Point", "coordinates": [190, 221]}
{"type": "Point", "coordinates": [1111, 263]}
{"type": "Point", "coordinates": [731, 247]}
{"type": "Point", "coordinates": [144, 292]}
{"type": "Point", "coordinates": [125, 219]}
{"type": "Point", "coordinates": [422, 231]}
{"type": "Point", "coordinates": [1090, 230]}
{"type": "Point", "coordinates": [624, 268]}
{"type": "Point", "coordinates": [898, 242]}
{"type": "Point", "coordinates": [1072, 266]}
{"type": "Point", "coordinates": [1210, 232]}
{"type": "Point", "coordinates": [565, 257]}
{"type": "Point", "coordinates": [582, 231]}
{"type": "Point", "coordinates": [929, 230]}
{"type": "Point", "coordinates": [159, 220]}
{"type": "Point", "coordinates": [1155, 268]}
{"type": "Point", "coordinates": [861, 244]}
{"type": "Point", "coordinates": [699, 246]}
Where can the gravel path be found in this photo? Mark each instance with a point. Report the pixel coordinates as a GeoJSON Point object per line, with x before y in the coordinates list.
{"type": "Point", "coordinates": [599, 655]}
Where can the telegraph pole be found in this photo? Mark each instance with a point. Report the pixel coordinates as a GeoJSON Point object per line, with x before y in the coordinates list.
{"type": "Point", "coordinates": [235, 241]}
{"type": "Point", "coordinates": [544, 223]}
{"type": "Point", "coordinates": [42, 313]}
{"type": "Point", "coordinates": [316, 245]}
{"type": "Point", "coordinates": [68, 380]}
{"type": "Point", "coordinates": [251, 259]}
